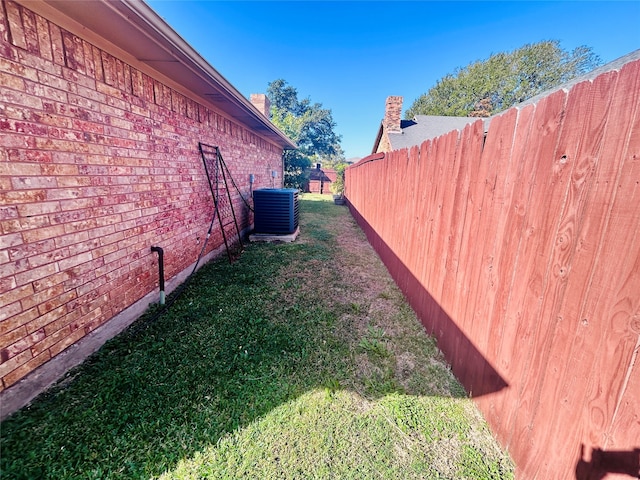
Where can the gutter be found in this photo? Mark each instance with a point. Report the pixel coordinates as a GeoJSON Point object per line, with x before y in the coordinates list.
{"type": "Point", "coordinates": [199, 65]}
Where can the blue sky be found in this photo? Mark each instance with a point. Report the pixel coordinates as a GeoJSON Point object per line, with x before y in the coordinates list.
{"type": "Point", "coordinates": [349, 56]}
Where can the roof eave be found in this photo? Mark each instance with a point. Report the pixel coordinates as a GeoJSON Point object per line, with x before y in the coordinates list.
{"type": "Point", "coordinates": [134, 27]}
{"type": "Point", "coordinates": [376, 144]}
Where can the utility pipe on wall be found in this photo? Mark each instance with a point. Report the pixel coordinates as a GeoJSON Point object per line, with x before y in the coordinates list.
{"type": "Point", "coordinates": [161, 271]}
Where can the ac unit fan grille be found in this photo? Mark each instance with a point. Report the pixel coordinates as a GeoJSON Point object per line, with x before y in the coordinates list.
{"type": "Point", "coordinates": [276, 210]}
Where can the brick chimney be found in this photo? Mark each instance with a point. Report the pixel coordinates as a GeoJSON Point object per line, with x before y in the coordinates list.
{"type": "Point", "coordinates": [392, 114]}
{"type": "Point", "coordinates": [262, 103]}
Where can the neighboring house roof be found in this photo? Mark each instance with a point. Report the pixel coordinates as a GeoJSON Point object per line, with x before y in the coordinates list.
{"type": "Point", "coordinates": [395, 134]}
{"type": "Point", "coordinates": [146, 40]}
{"type": "Point", "coordinates": [425, 127]}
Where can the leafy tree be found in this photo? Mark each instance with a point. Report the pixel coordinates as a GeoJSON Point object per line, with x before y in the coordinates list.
{"type": "Point", "coordinates": [309, 125]}
{"type": "Point", "coordinates": [486, 87]}
{"type": "Point", "coordinates": [337, 187]}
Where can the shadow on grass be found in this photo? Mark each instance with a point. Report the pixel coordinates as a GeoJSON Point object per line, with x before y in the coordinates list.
{"type": "Point", "coordinates": [240, 341]}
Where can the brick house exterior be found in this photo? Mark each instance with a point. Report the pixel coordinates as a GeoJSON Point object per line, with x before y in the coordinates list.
{"type": "Point", "coordinates": [102, 107]}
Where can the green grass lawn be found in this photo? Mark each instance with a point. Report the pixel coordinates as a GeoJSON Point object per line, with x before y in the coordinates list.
{"type": "Point", "coordinates": [299, 360]}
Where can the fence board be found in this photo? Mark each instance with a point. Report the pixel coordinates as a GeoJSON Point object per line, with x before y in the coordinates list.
{"type": "Point", "coordinates": [445, 203]}
{"type": "Point", "coordinates": [470, 152]}
{"type": "Point", "coordinates": [481, 193]}
{"type": "Point", "coordinates": [503, 342]}
{"type": "Point", "coordinates": [424, 176]}
{"type": "Point", "coordinates": [559, 257]}
{"type": "Point", "coordinates": [437, 155]}
{"type": "Point", "coordinates": [469, 268]}
{"type": "Point", "coordinates": [426, 173]}
{"type": "Point", "coordinates": [548, 196]}
{"type": "Point", "coordinates": [624, 429]}
{"type": "Point", "coordinates": [428, 207]}
{"type": "Point", "coordinates": [414, 256]}
{"type": "Point", "coordinates": [587, 110]}
{"type": "Point", "coordinates": [617, 266]}
{"type": "Point", "coordinates": [466, 372]}
{"type": "Point", "coordinates": [466, 152]}
{"type": "Point", "coordinates": [445, 184]}
{"type": "Point", "coordinates": [456, 201]}
{"type": "Point", "coordinates": [528, 282]}
{"type": "Point", "coordinates": [498, 180]}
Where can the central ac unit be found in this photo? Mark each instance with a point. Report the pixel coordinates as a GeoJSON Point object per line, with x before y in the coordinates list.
{"type": "Point", "coordinates": [276, 210]}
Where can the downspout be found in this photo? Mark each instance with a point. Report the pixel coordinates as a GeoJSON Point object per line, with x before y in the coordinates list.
{"type": "Point", "coordinates": [161, 271]}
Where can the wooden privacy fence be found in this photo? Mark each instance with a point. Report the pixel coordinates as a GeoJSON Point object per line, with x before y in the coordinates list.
{"type": "Point", "coordinates": [520, 251]}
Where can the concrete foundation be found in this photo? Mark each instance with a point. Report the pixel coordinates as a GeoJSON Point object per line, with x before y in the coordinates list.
{"type": "Point", "coordinates": [273, 237]}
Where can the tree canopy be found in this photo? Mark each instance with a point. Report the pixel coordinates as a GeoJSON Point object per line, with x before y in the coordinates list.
{"type": "Point", "coordinates": [486, 87]}
{"type": "Point", "coordinates": [309, 125]}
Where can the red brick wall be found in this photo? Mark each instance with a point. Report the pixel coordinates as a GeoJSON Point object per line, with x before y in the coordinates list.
{"type": "Point", "coordinates": [98, 161]}
{"type": "Point", "coordinates": [393, 114]}
{"type": "Point", "coordinates": [384, 145]}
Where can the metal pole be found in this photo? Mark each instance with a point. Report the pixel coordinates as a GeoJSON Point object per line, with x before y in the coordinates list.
{"type": "Point", "coordinates": [160, 253]}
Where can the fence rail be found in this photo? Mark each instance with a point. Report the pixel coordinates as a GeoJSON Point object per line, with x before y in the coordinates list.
{"type": "Point", "coordinates": [520, 251]}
